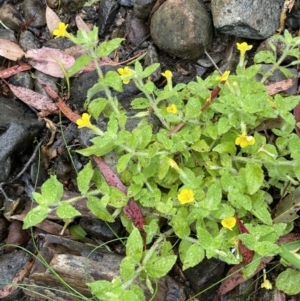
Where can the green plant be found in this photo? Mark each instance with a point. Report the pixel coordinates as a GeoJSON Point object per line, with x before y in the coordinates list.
{"type": "Point", "coordinates": [207, 167]}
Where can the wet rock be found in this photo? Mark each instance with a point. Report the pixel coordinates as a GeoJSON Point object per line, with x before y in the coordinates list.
{"type": "Point", "coordinates": [72, 6]}
{"type": "Point", "coordinates": [7, 34]}
{"type": "Point", "coordinates": [10, 17]}
{"type": "Point", "coordinates": [61, 43]}
{"type": "Point", "coordinates": [28, 41]}
{"type": "Point", "coordinates": [63, 168]}
{"type": "Point", "coordinates": [99, 229]}
{"type": "Point", "coordinates": [34, 10]}
{"type": "Point", "coordinates": [257, 19]}
{"type": "Point", "coordinates": [22, 79]}
{"type": "Point", "coordinates": [42, 77]}
{"type": "Point", "coordinates": [107, 12]}
{"type": "Point", "coordinates": [126, 2]}
{"type": "Point", "coordinates": [183, 29]}
{"type": "Point", "coordinates": [82, 83]}
{"type": "Point", "coordinates": [3, 228]}
{"type": "Point", "coordinates": [79, 263]}
{"type": "Point", "coordinates": [205, 274]}
{"type": "Point", "coordinates": [142, 8]}
{"type": "Point", "coordinates": [18, 129]}
{"type": "Point", "coordinates": [136, 30]}
{"type": "Point", "coordinates": [151, 58]}
{"type": "Point", "coordinates": [10, 265]}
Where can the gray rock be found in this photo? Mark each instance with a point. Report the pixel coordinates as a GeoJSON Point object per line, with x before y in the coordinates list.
{"type": "Point", "coordinates": [182, 28]}
{"type": "Point", "coordinates": [28, 41]}
{"type": "Point", "coordinates": [22, 79]}
{"type": "Point", "coordinates": [257, 19]}
{"type": "Point", "coordinates": [107, 12]}
{"type": "Point", "coordinates": [36, 10]}
{"type": "Point", "coordinates": [126, 2]}
{"type": "Point", "coordinates": [18, 130]}
{"type": "Point", "coordinates": [142, 8]}
{"type": "Point", "coordinates": [71, 6]}
{"type": "Point", "coordinates": [10, 17]}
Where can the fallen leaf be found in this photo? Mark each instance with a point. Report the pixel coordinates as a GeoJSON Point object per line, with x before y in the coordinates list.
{"type": "Point", "coordinates": [50, 61]}
{"type": "Point", "coordinates": [16, 236]}
{"type": "Point", "coordinates": [131, 210]}
{"type": "Point", "coordinates": [81, 25]}
{"type": "Point", "coordinates": [33, 99]}
{"type": "Point", "coordinates": [10, 50]}
{"type": "Point", "coordinates": [6, 73]}
{"type": "Point", "coordinates": [286, 209]}
{"type": "Point", "coordinates": [52, 20]}
{"type": "Point", "coordinates": [282, 85]}
{"type": "Point", "coordinates": [72, 116]}
{"type": "Point", "coordinates": [246, 253]}
{"type": "Point", "coordinates": [51, 126]}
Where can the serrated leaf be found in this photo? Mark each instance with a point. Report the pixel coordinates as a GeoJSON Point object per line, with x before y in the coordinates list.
{"type": "Point", "coordinates": [254, 177]}
{"type": "Point", "coordinates": [79, 64]}
{"type": "Point", "coordinates": [286, 281]}
{"type": "Point", "coordinates": [140, 103]}
{"type": "Point", "coordinates": [107, 47]}
{"type": "Point", "coordinates": [149, 70]}
{"type": "Point", "coordinates": [112, 79]}
{"type": "Point", "coordinates": [134, 246]}
{"type": "Point", "coordinates": [66, 210]}
{"type": "Point", "coordinates": [193, 256]}
{"type": "Point", "coordinates": [51, 192]}
{"type": "Point", "coordinates": [35, 216]}
{"type": "Point", "coordinates": [84, 177]}
{"type": "Point", "coordinates": [96, 106]}
{"type": "Point", "coordinates": [286, 210]}
{"type": "Point", "coordinates": [123, 162]}
{"type": "Point", "coordinates": [159, 267]}
{"type": "Point", "coordinates": [98, 209]}
{"type": "Point", "coordinates": [127, 268]}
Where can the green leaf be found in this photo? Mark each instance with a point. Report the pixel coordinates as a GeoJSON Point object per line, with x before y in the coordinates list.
{"type": "Point", "coordinates": [35, 216]}
{"type": "Point", "coordinates": [127, 268]}
{"type": "Point", "coordinates": [159, 267]}
{"type": "Point", "coordinates": [134, 246]}
{"type": "Point", "coordinates": [96, 106]}
{"type": "Point", "coordinates": [254, 177]}
{"type": "Point", "coordinates": [152, 229]}
{"type": "Point", "coordinates": [287, 280]}
{"type": "Point", "coordinates": [123, 162]}
{"type": "Point", "coordinates": [193, 108]}
{"type": "Point", "coordinates": [140, 103]}
{"type": "Point", "coordinates": [52, 191]}
{"type": "Point", "coordinates": [80, 63]}
{"type": "Point", "coordinates": [180, 224]}
{"type": "Point", "coordinates": [98, 209]}
{"type": "Point", "coordinates": [77, 232]}
{"type": "Point", "coordinates": [149, 70]}
{"type": "Point", "coordinates": [223, 125]}
{"type": "Point", "coordinates": [84, 177]}
{"type": "Point", "coordinates": [267, 248]}
{"type": "Point", "coordinates": [193, 256]}
{"type": "Point", "coordinates": [264, 57]}
{"type": "Point", "coordinates": [66, 210]}
{"type": "Point", "coordinates": [102, 146]}
{"type": "Point", "coordinates": [107, 47]}
{"type": "Point", "coordinates": [117, 198]}
{"type": "Point", "coordinates": [112, 79]}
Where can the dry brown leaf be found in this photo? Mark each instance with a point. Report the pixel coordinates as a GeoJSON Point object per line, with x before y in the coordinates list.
{"type": "Point", "coordinates": [51, 126]}
{"type": "Point", "coordinates": [33, 99]}
{"type": "Point", "coordinates": [6, 73]}
{"type": "Point", "coordinates": [50, 61]}
{"type": "Point", "coordinates": [81, 25]}
{"type": "Point", "coordinates": [282, 85]}
{"type": "Point", "coordinates": [10, 50]}
{"type": "Point", "coordinates": [16, 236]}
{"type": "Point", "coordinates": [52, 20]}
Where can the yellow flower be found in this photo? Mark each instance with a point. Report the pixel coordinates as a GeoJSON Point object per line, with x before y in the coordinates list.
{"type": "Point", "coordinates": [61, 31]}
{"type": "Point", "coordinates": [126, 74]}
{"type": "Point", "coordinates": [172, 109]}
{"type": "Point", "coordinates": [223, 77]}
{"type": "Point", "coordinates": [244, 140]}
{"type": "Point", "coordinates": [266, 284]}
{"type": "Point", "coordinates": [173, 164]}
{"type": "Point", "coordinates": [186, 196]}
{"type": "Point", "coordinates": [167, 74]}
{"type": "Point", "coordinates": [243, 47]}
{"type": "Point", "coordinates": [84, 121]}
{"type": "Point", "coordinates": [228, 222]}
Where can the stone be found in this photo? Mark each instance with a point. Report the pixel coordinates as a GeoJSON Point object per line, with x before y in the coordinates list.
{"type": "Point", "coordinates": [36, 11]}
{"type": "Point", "coordinates": [257, 19]}
{"type": "Point", "coordinates": [18, 129]}
{"type": "Point", "coordinates": [126, 2]}
{"type": "Point", "coordinates": [142, 8]}
{"type": "Point", "coordinates": [107, 12]}
{"type": "Point", "coordinates": [10, 17]}
{"type": "Point", "coordinates": [182, 28]}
